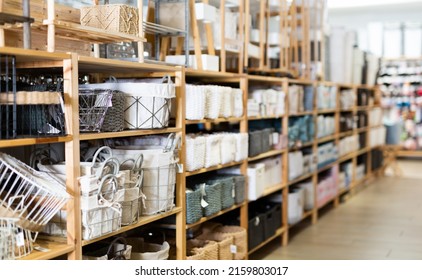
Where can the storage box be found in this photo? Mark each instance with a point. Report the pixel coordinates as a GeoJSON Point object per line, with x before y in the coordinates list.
{"type": "Point", "coordinates": [256, 231]}
{"type": "Point", "coordinates": [113, 17]}
{"type": "Point", "coordinates": [256, 179]}
{"type": "Point", "coordinates": [205, 12]}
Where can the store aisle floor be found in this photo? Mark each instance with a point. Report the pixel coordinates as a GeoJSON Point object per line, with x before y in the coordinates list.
{"type": "Point", "coordinates": [383, 221]}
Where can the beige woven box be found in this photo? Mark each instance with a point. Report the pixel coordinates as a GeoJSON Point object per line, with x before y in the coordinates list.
{"type": "Point", "coordinates": [113, 17]}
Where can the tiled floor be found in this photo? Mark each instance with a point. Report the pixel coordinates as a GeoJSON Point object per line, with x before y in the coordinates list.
{"type": "Point", "coordinates": [383, 221]}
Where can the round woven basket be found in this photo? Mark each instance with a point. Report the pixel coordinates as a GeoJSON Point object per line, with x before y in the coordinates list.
{"type": "Point", "coordinates": [239, 236]}
{"type": "Point", "coordinates": [206, 249]}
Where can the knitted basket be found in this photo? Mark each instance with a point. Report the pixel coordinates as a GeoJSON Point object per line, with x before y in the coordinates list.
{"type": "Point", "coordinates": [227, 190]}
{"type": "Point", "coordinates": [193, 206]}
{"type": "Point", "coordinates": [212, 197]}
{"type": "Point", "coordinates": [239, 236]}
{"type": "Point", "coordinates": [239, 188]}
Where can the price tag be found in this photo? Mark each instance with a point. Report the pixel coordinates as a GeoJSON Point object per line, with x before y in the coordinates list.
{"type": "Point", "coordinates": [233, 249]}
{"type": "Point", "coordinates": [179, 168]}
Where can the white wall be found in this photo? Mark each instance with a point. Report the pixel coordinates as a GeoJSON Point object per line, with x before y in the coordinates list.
{"type": "Point", "coordinates": [360, 18]}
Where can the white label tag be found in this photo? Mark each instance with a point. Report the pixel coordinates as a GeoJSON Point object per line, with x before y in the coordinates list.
{"type": "Point", "coordinates": [179, 168]}
{"type": "Point", "coordinates": [233, 249]}
{"type": "Point", "coordinates": [204, 203]}
{"type": "Point", "coordinates": [233, 192]}
{"type": "Point", "coordinates": [20, 240]}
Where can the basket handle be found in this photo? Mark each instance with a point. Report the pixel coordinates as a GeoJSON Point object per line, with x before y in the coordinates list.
{"type": "Point", "coordinates": [112, 254]}
{"type": "Point", "coordinates": [101, 150]}
{"type": "Point", "coordinates": [112, 163]}
{"type": "Point", "coordinates": [41, 154]}
{"type": "Point", "coordinates": [108, 179]}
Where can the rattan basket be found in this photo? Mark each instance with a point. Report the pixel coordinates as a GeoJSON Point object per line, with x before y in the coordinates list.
{"type": "Point", "coordinates": [224, 244]}
{"type": "Point", "coordinates": [239, 236]}
{"type": "Point", "coordinates": [193, 206]}
{"type": "Point", "coordinates": [199, 249]}
{"type": "Point", "coordinates": [114, 17]}
{"type": "Point", "coordinates": [114, 119]}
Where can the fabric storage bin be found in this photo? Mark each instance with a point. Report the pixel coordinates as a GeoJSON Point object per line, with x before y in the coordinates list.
{"type": "Point", "coordinates": [308, 102]}
{"type": "Point", "coordinates": [239, 189]}
{"type": "Point", "coordinates": [242, 146]}
{"type": "Point", "coordinates": [142, 250]}
{"type": "Point", "coordinates": [273, 171]}
{"type": "Point", "coordinates": [195, 102]}
{"type": "Point", "coordinates": [224, 243]}
{"type": "Point", "coordinates": [295, 164]}
{"type": "Point", "coordinates": [295, 206]}
{"type": "Point", "coordinates": [227, 147]}
{"type": "Point", "coordinates": [112, 17]}
{"type": "Point", "coordinates": [239, 234]}
{"type": "Point", "coordinates": [254, 143]}
{"type": "Point", "coordinates": [256, 180]}
{"type": "Point", "coordinates": [118, 249]}
{"type": "Point", "coordinates": [211, 198]}
{"type": "Point", "coordinates": [213, 99]}
{"type": "Point", "coordinates": [256, 230]}
{"type": "Point", "coordinates": [309, 195]}
{"type": "Point", "coordinates": [193, 206]}
{"type": "Point", "coordinates": [266, 141]}
{"type": "Point", "coordinates": [212, 150]}
{"type": "Point", "coordinates": [199, 249]}
{"type": "Point", "coordinates": [195, 152]}
{"type": "Point", "coordinates": [227, 190]}
{"type": "Point", "coordinates": [226, 108]}
{"type": "Point", "coordinates": [237, 102]}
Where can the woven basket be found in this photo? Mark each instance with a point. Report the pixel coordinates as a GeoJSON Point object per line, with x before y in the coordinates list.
{"type": "Point", "coordinates": [114, 119]}
{"type": "Point", "coordinates": [227, 190]}
{"type": "Point", "coordinates": [195, 102]}
{"type": "Point", "coordinates": [237, 103]}
{"type": "Point", "coordinates": [226, 109]}
{"type": "Point", "coordinates": [212, 150]}
{"type": "Point", "coordinates": [242, 146]}
{"type": "Point", "coordinates": [195, 152]}
{"type": "Point", "coordinates": [255, 143]}
{"type": "Point", "coordinates": [198, 249]}
{"type": "Point", "coordinates": [239, 236]}
{"type": "Point", "coordinates": [212, 102]}
{"type": "Point", "coordinates": [115, 17]}
{"type": "Point", "coordinates": [212, 197]}
{"type": "Point", "coordinates": [193, 206]}
{"type": "Point", "coordinates": [239, 188]}
{"type": "Point", "coordinates": [228, 147]}
{"type": "Point", "coordinates": [224, 243]}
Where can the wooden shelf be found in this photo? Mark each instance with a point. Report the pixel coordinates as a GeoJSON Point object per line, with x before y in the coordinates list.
{"type": "Point", "coordinates": [308, 144]}
{"type": "Point", "coordinates": [362, 129]}
{"type": "Point", "coordinates": [212, 168]}
{"type": "Point", "coordinates": [299, 114]}
{"type": "Point", "coordinates": [54, 250]}
{"type": "Point", "coordinates": [205, 219]}
{"type": "Point", "coordinates": [298, 179]}
{"type": "Point", "coordinates": [127, 133]}
{"type": "Point", "coordinates": [328, 166]}
{"type": "Point", "coordinates": [33, 141]}
{"type": "Point", "coordinates": [190, 72]}
{"type": "Point", "coordinates": [79, 32]}
{"type": "Point", "coordinates": [362, 108]}
{"type": "Point", "coordinates": [408, 153]}
{"type": "Point", "coordinates": [210, 121]}
{"type": "Point", "coordinates": [143, 220]}
{"type": "Point", "coordinates": [343, 191]}
{"type": "Point", "coordinates": [273, 189]}
{"type": "Point", "coordinates": [326, 111]}
{"type": "Point", "coordinates": [345, 110]}
{"type": "Point", "coordinates": [361, 151]}
{"type": "Point", "coordinates": [346, 133]}
{"type": "Point", "coordinates": [253, 118]}
{"type": "Point", "coordinates": [347, 156]}
{"type": "Point", "coordinates": [326, 138]}
{"type": "Point", "coordinates": [266, 155]}
{"type": "Point", "coordinates": [278, 233]}
{"type": "Point", "coordinates": [103, 65]}
{"type": "Point", "coordinates": [255, 78]}
{"type": "Point", "coordinates": [327, 202]}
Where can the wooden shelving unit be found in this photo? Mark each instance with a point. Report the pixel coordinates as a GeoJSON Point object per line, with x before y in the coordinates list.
{"type": "Point", "coordinates": [73, 65]}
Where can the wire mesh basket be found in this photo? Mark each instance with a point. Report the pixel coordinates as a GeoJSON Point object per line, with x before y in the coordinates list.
{"type": "Point", "coordinates": [15, 242]}
{"type": "Point", "coordinates": [31, 196]}
{"type": "Point", "coordinates": [93, 106]}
